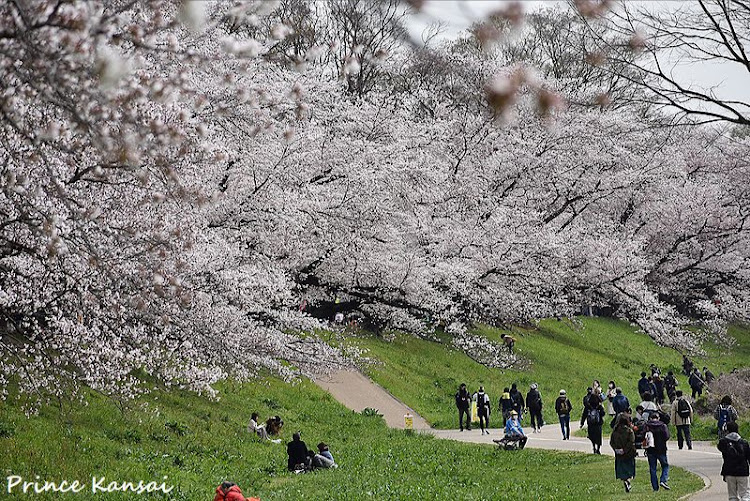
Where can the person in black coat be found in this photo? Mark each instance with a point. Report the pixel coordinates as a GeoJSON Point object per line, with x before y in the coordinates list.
{"type": "Point", "coordinates": [463, 402]}
{"type": "Point", "coordinates": [534, 404]}
{"type": "Point", "coordinates": [297, 452]}
{"type": "Point", "coordinates": [593, 416]}
{"type": "Point", "coordinates": [735, 470]}
{"type": "Point", "coordinates": [518, 403]}
{"type": "Point", "coordinates": [643, 385]}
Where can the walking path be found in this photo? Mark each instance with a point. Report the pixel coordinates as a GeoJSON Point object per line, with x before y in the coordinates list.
{"type": "Point", "coordinates": [357, 392]}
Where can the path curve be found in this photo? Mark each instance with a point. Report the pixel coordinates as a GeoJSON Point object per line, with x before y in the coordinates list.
{"type": "Point", "coordinates": [357, 392]}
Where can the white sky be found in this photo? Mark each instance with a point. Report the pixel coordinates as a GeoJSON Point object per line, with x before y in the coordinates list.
{"type": "Point", "coordinates": [730, 81]}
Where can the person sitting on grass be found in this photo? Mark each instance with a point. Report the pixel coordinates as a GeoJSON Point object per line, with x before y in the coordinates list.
{"type": "Point", "coordinates": [324, 458]}
{"type": "Point", "coordinates": [258, 429]}
{"type": "Point", "coordinates": [274, 425]}
{"type": "Point", "coordinates": [514, 431]}
{"type": "Point", "coordinates": [297, 452]}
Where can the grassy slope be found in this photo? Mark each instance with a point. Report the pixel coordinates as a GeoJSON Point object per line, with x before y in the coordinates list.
{"type": "Point", "coordinates": [561, 356]}
{"type": "Point", "coordinates": [198, 443]}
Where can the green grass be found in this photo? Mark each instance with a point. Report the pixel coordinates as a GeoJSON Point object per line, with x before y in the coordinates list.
{"type": "Point", "coordinates": [198, 443]}
{"type": "Point", "coordinates": [426, 375]}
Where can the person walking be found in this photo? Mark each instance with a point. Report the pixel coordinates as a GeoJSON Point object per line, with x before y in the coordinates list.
{"type": "Point", "coordinates": [736, 454]}
{"type": "Point", "coordinates": [518, 403]}
{"type": "Point", "coordinates": [620, 402]}
{"type": "Point", "coordinates": [649, 407]}
{"type": "Point", "coordinates": [643, 385]}
{"type": "Point", "coordinates": [593, 416]}
{"type": "Point", "coordinates": [657, 435]}
{"type": "Point", "coordinates": [506, 405]}
{"type": "Point", "coordinates": [724, 414]}
{"type": "Point", "coordinates": [622, 442]}
{"type": "Point", "coordinates": [687, 366]}
{"type": "Point", "coordinates": [659, 387]}
{"type": "Point", "coordinates": [587, 397]}
{"type": "Point", "coordinates": [611, 393]}
{"type": "Point", "coordinates": [682, 417]}
{"type": "Point", "coordinates": [708, 376]}
{"type": "Point", "coordinates": [483, 410]}
{"type": "Point", "coordinates": [463, 403]}
{"type": "Point", "coordinates": [670, 385]}
{"type": "Point", "coordinates": [563, 407]}
{"type": "Point", "coordinates": [534, 404]}
{"type": "Point", "coordinates": [696, 383]}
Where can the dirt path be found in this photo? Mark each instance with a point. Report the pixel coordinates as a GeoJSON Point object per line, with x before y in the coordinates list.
{"type": "Point", "coordinates": [357, 392]}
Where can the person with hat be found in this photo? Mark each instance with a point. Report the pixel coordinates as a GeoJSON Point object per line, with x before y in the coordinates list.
{"type": "Point", "coordinates": [534, 404]}
{"type": "Point", "coordinates": [563, 407]}
{"type": "Point", "coordinates": [514, 431]}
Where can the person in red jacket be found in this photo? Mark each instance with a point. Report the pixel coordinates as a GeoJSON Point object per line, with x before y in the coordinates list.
{"type": "Point", "coordinates": [229, 491]}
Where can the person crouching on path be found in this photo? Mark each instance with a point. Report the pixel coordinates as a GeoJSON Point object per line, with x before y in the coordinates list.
{"type": "Point", "coordinates": [623, 443]}
{"type": "Point", "coordinates": [736, 453]}
{"type": "Point", "coordinates": [463, 403]}
{"type": "Point", "coordinates": [593, 416]}
{"type": "Point", "coordinates": [563, 407]}
{"type": "Point", "coordinates": [682, 416]}
{"type": "Point", "coordinates": [657, 451]}
{"type": "Point", "coordinates": [483, 410]}
{"type": "Point", "coordinates": [513, 429]}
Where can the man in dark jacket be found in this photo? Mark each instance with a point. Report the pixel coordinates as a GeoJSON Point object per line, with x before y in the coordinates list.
{"type": "Point", "coordinates": [518, 403]}
{"type": "Point", "coordinates": [589, 394]}
{"type": "Point", "coordinates": [620, 402]}
{"type": "Point", "coordinates": [735, 470]}
{"type": "Point", "coordinates": [463, 402]}
{"type": "Point", "coordinates": [643, 384]}
{"type": "Point", "coordinates": [708, 376]}
{"type": "Point", "coordinates": [696, 383]}
{"type": "Point", "coordinates": [297, 452]}
{"type": "Point", "coordinates": [658, 451]}
{"type": "Point", "coordinates": [534, 404]}
{"type": "Point", "coordinates": [659, 385]}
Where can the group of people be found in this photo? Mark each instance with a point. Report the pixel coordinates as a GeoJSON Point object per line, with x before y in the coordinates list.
{"type": "Point", "coordinates": [646, 427]}
{"type": "Point", "coordinates": [300, 459]}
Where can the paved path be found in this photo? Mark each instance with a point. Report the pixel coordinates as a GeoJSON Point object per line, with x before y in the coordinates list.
{"type": "Point", "coordinates": [357, 392]}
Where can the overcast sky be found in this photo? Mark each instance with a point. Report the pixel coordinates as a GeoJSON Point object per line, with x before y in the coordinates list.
{"type": "Point", "coordinates": [730, 81]}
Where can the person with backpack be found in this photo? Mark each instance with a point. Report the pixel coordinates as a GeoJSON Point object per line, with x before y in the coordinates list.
{"type": "Point", "coordinates": [593, 416]}
{"type": "Point", "coordinates": [696, 383]}
{"type": "Point", "coordinates": [620, 402]}
{"type": "Point", "coordinates": [643, 385]}
{"type": "Point", "coordinates": [506, 405]}
{"type": "Point", "coordinates": [518, 403]}
{"type": "Point", "coordinates": [483, 410]}
{"type": "Point", "coordinates": [670, 385]}
{"type": "Point", "coordinates": [724, 414]}
{"type": "Point", "coordinates": [563, 407]}
{"type": "Point", "coordinates": [736, 454]}
{"type": "Point", "coordinates": [622, 442]}
{"type": "Point", "coordinates": [463, 403]}
{"type": "Point", "coordinates": [657, 435]}
{"type": "Point", "coordinates": [682, 416]}
{"type": "Point", "coordinates": [649, 407]}
{"type": "Point", "coordinates": [534, 404]}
